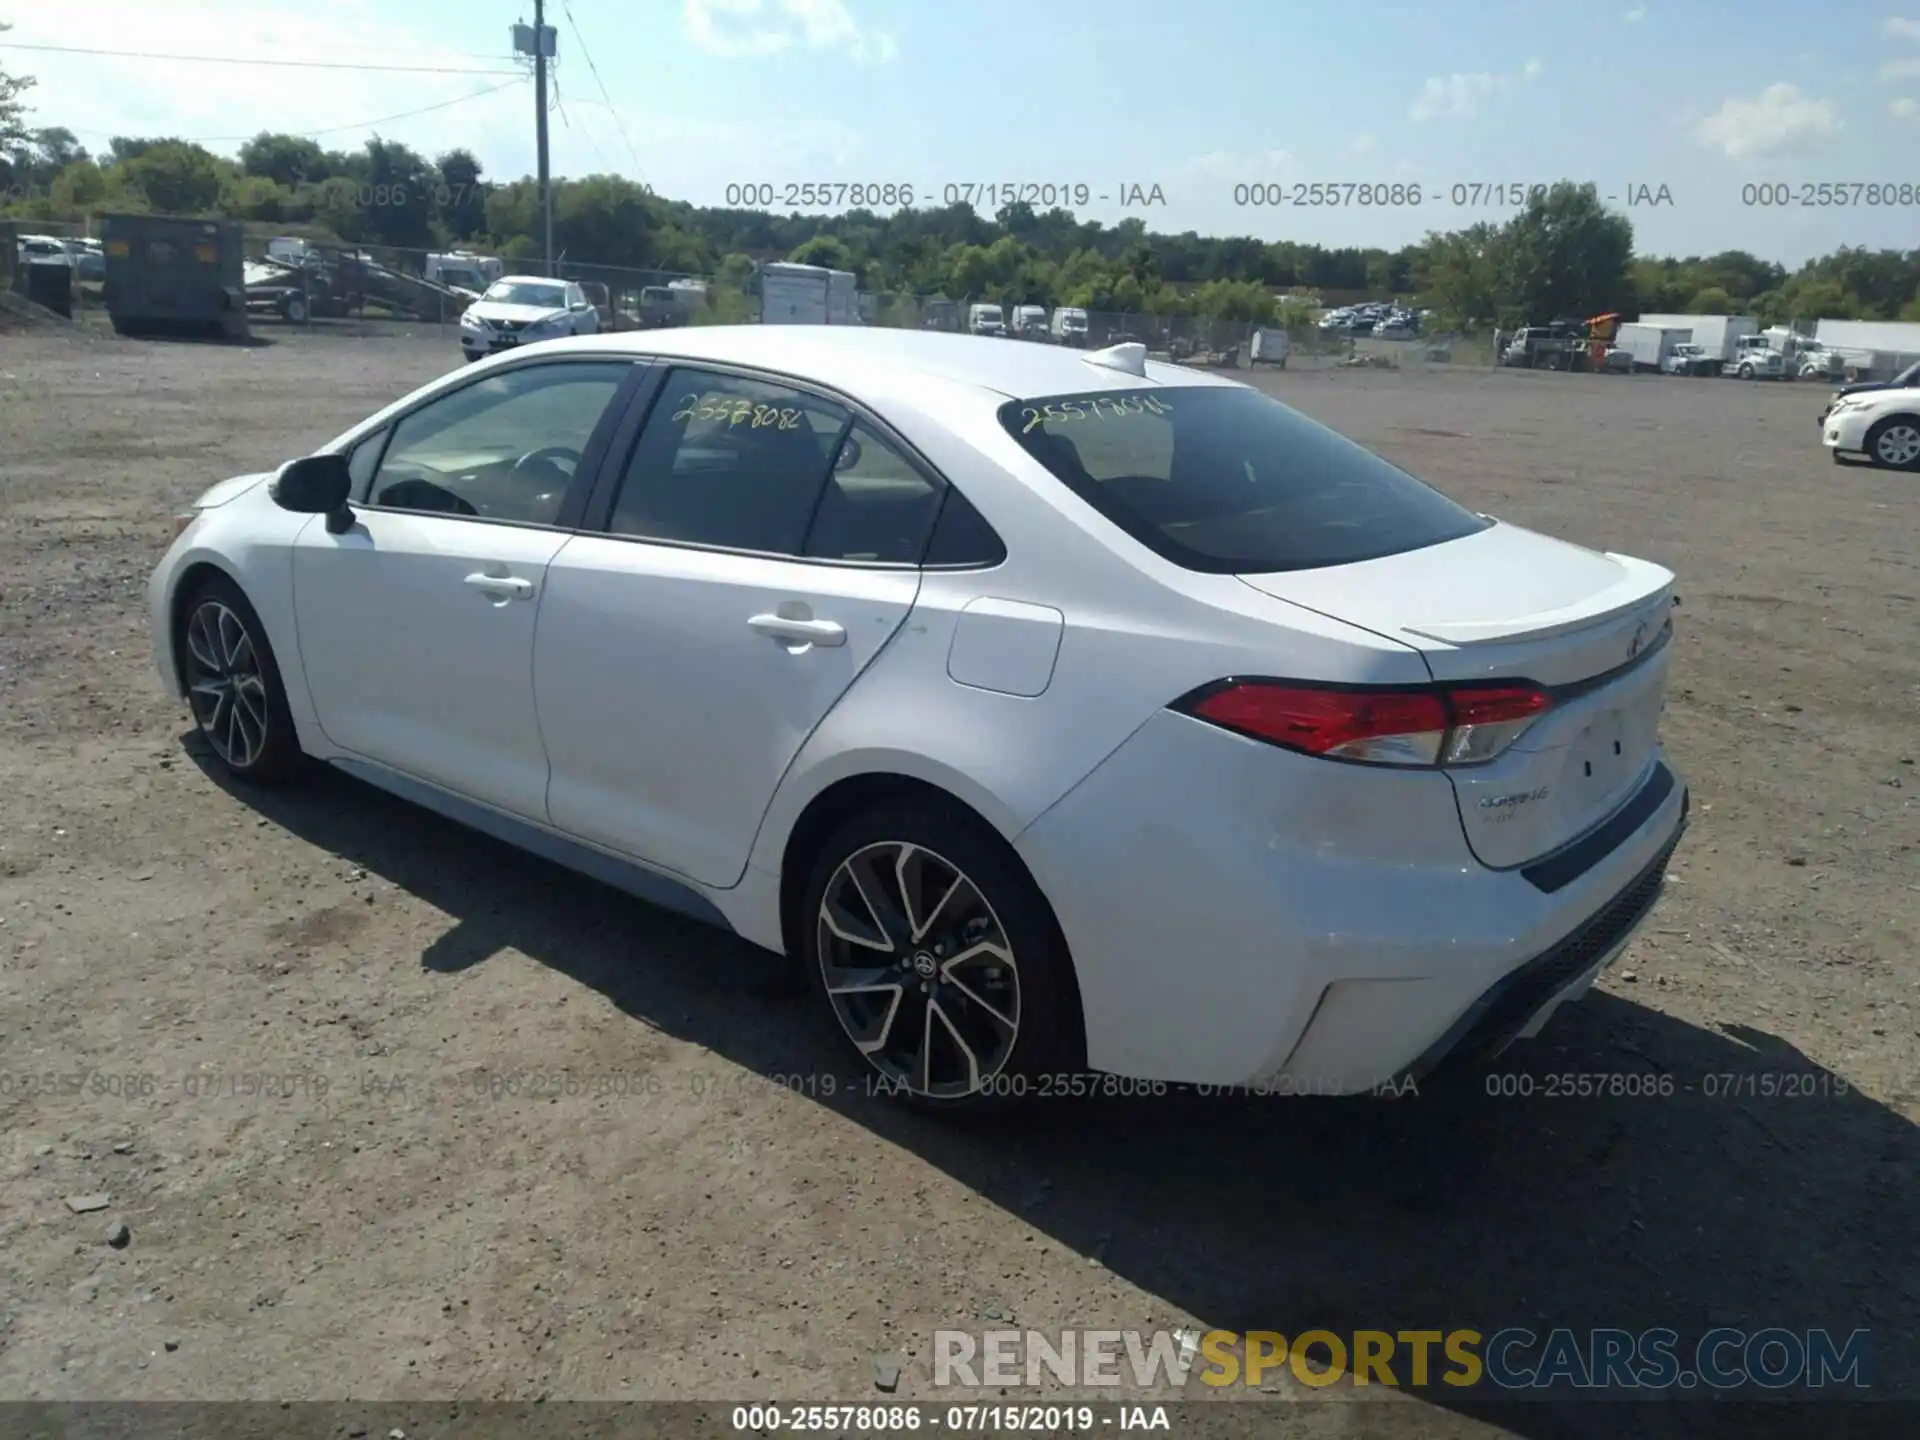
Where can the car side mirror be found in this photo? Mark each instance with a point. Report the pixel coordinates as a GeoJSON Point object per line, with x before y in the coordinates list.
{"type": "Point", "coordinates": [316, 485]}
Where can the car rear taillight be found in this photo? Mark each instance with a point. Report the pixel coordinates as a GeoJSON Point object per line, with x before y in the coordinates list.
{"type": "Point", "coordinates": [1461, 725]}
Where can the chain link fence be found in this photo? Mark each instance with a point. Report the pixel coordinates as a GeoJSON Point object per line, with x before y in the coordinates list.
{"type": "Point", "coordinates": [305, 278]}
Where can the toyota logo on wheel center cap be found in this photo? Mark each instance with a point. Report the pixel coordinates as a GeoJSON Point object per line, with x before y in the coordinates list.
{"type": "Point", "coordinates": [925, 966]}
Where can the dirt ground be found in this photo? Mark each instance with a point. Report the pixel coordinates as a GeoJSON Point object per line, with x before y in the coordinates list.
{"type": "Point", "coordinates": [395, 1113]}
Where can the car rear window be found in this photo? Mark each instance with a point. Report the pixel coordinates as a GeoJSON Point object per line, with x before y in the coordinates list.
{"type": "Point", "coordinates": [1225, 480]}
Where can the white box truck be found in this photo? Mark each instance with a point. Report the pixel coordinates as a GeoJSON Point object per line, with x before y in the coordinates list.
{"type": "Point", "coordinates": [1717, 335]}
{"type": "Point", "coordinates": [1650, 345]}
{"type": "Point", "coordinates": [807, 295]}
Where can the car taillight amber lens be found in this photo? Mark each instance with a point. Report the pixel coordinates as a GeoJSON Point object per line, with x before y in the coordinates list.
{"type": "Point", "coordinates": [1463, 725]}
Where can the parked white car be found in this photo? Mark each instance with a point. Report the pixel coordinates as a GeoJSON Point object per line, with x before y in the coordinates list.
{"type": "Point", "coordinates": [1880, 426]}
{"type": "Point", "coordinates": [519, 310]}
{"type": "Point", "coordinates": [1053, 711]}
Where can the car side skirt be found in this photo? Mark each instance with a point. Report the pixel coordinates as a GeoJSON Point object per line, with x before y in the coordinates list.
{"type": "Point", "coordinates": [635, 879]}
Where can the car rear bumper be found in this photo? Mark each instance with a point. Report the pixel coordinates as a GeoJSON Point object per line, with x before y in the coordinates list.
{"type": "Point", "coordinates": [1240, 915]}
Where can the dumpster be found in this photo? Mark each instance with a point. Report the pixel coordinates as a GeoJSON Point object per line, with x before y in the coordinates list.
{"type": "Point", "coordinates": [168, 274]}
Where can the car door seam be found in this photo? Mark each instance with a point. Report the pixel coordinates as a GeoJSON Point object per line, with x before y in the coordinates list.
{"type": "Point", "coordinates": [780, 782]}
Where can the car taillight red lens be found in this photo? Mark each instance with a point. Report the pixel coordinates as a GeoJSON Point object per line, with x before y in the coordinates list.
{"type": "Point", "coordinates": [1382, 726]}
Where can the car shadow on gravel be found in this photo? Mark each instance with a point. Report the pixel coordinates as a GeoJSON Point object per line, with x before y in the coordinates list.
{"type": "Point", "coordinates": [1713, 1198]}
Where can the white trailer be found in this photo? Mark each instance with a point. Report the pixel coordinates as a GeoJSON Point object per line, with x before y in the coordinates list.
{"type": "Point", "coordinates": [807, 295]}
{"type": "Point", "coordinates": [1650, 345]}
{"type": "Point", "coordinates": [1717, 335]}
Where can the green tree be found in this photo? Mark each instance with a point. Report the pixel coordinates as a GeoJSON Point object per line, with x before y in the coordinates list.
{"type": "Point", "coordinates": [13, 110]}
{"type": "Point", "coordinates": [1714, 300]}
{"type": "Point", "coordinates": [286, 160]}
{"type": "Point", "coordinates": [177, 177]}
{"type": "Point", "coordinates": [827, 250]}
{"type": "Point", "coordinates": [462, 203]}
{"type": "Point", "coordinates": [1566, 254]}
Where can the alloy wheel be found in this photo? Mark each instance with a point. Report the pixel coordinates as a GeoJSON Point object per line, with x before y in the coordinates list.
{"type": "Point", "coordinates": [1898, 445]}
{"type": "Point", "coordinates": [919, 970]}
{"type": "Point", "coordinates": [224, 684]}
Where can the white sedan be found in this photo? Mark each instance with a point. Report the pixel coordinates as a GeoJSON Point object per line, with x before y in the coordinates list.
{"type": "Point", "coordinates": [519, 310]}
{"type": "Point", "coordinates": [1882, 426]}
{"type": "Point", "coordinates": [1056, 712]}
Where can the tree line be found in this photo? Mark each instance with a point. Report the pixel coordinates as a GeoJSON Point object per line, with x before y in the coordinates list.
{"type": "Point", "coordinates": [1564, 254]}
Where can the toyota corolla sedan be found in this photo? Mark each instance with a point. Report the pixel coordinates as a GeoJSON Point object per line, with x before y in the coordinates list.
{"type": "Point", "coordinates": [518, 310]}
{"type": "Point", "coordinates": [1054, 712]}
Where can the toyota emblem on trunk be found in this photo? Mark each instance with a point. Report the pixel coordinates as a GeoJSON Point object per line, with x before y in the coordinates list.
{"type": "Point", "coordinates": [1639, 639]}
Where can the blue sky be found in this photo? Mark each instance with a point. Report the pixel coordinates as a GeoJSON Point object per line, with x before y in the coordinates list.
{"type": "Point", "coordinates": [1194, 97]}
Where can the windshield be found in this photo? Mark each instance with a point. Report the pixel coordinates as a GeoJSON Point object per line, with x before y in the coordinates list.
{"type": "Point", "coordinates": [528, 292]}
{"type": "Point", "coordinates": [1909, 376]}
{"type": "Point", "coordinates": [1226, 480]}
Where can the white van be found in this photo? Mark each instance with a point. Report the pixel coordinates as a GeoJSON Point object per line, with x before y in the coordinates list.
{"type": "Point", "coordinates": [986, 320]}
{"type": "Point", "coordinates": [1030, 322]}
{"type": "Point", "coordinates": [1070, 325]}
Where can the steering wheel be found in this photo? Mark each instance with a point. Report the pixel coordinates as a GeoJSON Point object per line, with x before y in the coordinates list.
{"type": "Point", "coordinates": [547, 455]}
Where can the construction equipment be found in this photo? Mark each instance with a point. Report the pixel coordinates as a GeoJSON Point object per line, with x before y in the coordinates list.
{"type": "Point", "coordinates": [167, 273]}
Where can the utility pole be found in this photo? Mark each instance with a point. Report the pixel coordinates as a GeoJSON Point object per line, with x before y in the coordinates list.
{"type": "Point", "coordinates": [540, 47]}
{"type": "Point", "coordinates": [539, 42]}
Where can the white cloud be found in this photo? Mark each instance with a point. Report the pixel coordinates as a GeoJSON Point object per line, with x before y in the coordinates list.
{"type": "Point", "coordinates": [1900, 69]}
{"type": "Point", "coordinates": [1780, 119]}
{"type": "Point", "coordinates": [1253, 167]}
{"type": "Point", "coordinates": [1902, 29]}
{"type": "Point", "coordinates": [1361, 147]}
{"type": "Point", "coordinates": [1905, 109]}
{"type": "Point", "coordinates": [1635, 15]}
{"type": "Point", "coordinates": [1458, 95]}
{"type": "Point", "coordinates": [752, 29]}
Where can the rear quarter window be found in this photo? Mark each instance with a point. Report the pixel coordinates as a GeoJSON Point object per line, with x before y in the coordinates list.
{"type": "Point", "coordinates": [1225, 480]}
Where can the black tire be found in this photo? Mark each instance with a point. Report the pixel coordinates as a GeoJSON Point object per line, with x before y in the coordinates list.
{"type": "Point", "coordinates": [205, 632]}
{"type": "Point", "coordinates": [1892, 430]}
{"type": "Point", "coordinates": [295, 310]}
{"type": "Point", "coordinates": [1048, 1040]}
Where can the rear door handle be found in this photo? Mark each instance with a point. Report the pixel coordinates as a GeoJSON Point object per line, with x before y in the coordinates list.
{"type": "Point", "coordinates": [800, 632]}
{"type": "Point", "coordinates": [501, 587]}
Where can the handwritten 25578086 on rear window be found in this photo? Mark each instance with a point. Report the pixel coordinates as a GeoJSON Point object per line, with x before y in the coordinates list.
{"type": "Point", "coordinates": [1227, 481]}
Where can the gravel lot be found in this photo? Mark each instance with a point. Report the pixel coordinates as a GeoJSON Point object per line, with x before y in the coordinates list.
{"type": "Point", "coordinates": [395, 1113]}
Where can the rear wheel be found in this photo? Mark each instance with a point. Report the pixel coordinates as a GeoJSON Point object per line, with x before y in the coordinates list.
{"type": "Point", "coordinates": [938, 959]}
{"type": "Point", "coordinates": [1894, 443]}
{"type": "Point", "coordinates": [233, 684]}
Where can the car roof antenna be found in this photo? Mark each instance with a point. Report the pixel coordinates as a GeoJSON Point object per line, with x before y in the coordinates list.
{"type": "Point", "coordinates": [1131, 358]}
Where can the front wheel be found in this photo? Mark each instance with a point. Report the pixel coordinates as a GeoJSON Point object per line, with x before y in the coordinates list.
{"type": "Point", "coordinates": [233, 684]}
{"type": "Point", "coordinates": [294, 308]}
{"type": "Point", "coordinates": [1894, 443]}
{"type": "Point", "coordinates": [939, 960]}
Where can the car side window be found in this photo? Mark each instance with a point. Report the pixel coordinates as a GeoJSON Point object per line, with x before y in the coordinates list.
{"type": "Point", "coordinates": [502, 448]}
{"type": "Point", "coordinates": [962, 538]}
{"type": "Point", "coordinates": [729, 462]}
{"type": "Point", "coordinates": [876, 507]}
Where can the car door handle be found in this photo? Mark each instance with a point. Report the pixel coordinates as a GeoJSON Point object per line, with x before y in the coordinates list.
{"type": "Point", "coordinates": [502, 587]}
{"type": "Point", "coordinates": [801, 632]}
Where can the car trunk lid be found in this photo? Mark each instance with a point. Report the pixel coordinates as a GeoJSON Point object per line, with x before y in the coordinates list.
{"type": "Point", "coordinates": [1509, 604]}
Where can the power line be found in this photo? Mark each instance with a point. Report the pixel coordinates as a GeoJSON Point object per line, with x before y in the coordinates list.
{"type": "Point", "coordinates": [639, 173]}
{"type": "Point", "coordinates": [241, 60]}
{"type": "Point", "coordinates": [339, 129]}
